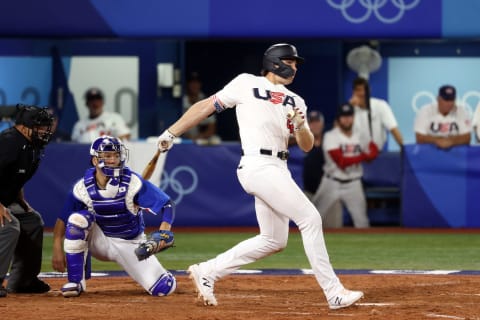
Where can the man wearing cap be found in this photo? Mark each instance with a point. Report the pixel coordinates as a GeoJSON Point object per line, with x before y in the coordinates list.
{"type": "Point", "coordinates": [343, 172]}
{"type": "Point", "coordinates": [99, 122]}
{"type": "Point", "coordinates": [444, 123]}
{"type": "Point", "coordinates": [21, 227]}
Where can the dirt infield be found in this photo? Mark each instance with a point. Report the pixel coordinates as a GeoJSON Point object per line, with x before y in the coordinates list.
{"type": "Point", "coordinates": [253, 297]}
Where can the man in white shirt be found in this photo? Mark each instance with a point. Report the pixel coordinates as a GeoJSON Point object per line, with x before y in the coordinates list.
{"type": "Point", "coordinates": [99, 122]}
{"type": "Point", "coordinates": [382, 117]}
{"type": "Point", "coordinates": [267, 114]}
{"type": "Point", "coordinates": [444, 123]}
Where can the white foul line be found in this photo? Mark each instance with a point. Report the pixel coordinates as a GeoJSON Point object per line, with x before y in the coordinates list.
{"type": "Point", "coordinates": [433, 315]}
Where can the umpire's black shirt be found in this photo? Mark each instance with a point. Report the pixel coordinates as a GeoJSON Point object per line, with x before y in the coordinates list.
{"type": "Point", "coordinates": [19, 160]}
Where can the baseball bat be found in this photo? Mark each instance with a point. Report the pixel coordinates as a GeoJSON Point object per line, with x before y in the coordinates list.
{"type": "Point", "coordinates": [369, 110]}
{"type": "Point", "coordinates": [151, 165]}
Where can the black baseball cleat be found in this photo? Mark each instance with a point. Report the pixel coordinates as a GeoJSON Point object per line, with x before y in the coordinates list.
{"type": "Point", "coordinates": [3, 292]}
{"type": "Point", "coordinates": [37, 286]}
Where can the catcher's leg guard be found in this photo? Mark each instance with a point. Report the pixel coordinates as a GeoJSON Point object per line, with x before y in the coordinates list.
{"type": "Point", "coordinates": [164, 286]}
{"type": "Point", "coordinates": [76, 246]}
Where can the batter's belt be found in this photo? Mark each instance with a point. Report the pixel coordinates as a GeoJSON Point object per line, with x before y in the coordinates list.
{"type": "Point", "coordinates": [283, 155]}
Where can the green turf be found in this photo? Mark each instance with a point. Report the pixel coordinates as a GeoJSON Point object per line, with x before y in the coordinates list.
{"type": "Point", "coordinates": [347, 251]}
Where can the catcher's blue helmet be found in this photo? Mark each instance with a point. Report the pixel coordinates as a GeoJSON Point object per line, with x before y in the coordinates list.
{"type": "Point", "coordinates": [105, 144]}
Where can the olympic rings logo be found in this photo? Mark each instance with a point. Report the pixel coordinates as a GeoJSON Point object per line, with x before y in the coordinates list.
{"type": "Point", "coordinates": [372, 6]}
{"type": "Point", "coordinates": [172, 181]}
{"type": "Point", "coordinates": [469, 100]}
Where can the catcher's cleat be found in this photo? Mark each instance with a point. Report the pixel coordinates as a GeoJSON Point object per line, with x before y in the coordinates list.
{"type": "Point", "coordinates": [204, 286]}
{"type": "Point", "coordinates": [344, 299]}
{"type": "Point", "coordinates": [71, 289]}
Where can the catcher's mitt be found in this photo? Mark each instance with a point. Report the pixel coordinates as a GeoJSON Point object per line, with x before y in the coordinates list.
{"type": "Point", "coordinates": [158, 241]}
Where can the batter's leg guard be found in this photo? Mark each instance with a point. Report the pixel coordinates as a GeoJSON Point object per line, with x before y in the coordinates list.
{"type": "Point", "coordinates": [76, 246]}
{"type": "Point", "coordinates": [164, 286]}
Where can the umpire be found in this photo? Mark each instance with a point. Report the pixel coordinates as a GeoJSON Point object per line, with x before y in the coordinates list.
{"type": "Point", "coordinates": [21, 227]}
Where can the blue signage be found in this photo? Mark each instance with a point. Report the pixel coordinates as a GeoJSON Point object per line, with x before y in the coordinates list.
{"type": "Point", "coordinates": [248, 18]}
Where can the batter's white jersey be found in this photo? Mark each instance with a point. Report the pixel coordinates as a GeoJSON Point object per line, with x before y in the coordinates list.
{"type": "Point", "coordinates": [350, 146]}
{"type": "Point", "coordinates": [429, 121]}
{"type": "Point", "coordinates": [108, 123]}
{"type": "Point", "coordinates": [261, 108]}
{"type": "Point", "coordinates": [383, 120]}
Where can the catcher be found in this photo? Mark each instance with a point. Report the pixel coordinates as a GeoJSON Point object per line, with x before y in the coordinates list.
{"type": "Point", "coordinates": [103, 216]}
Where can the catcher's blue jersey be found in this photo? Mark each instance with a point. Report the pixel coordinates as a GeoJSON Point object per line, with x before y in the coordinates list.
{"type": "Point", "coordinates": [119, 215]}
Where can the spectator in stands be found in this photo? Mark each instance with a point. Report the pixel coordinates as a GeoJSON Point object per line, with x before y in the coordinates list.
{"type": "Point", "coordinates": [382, 117]}
{"type": "Point", "coordinates": [341, 180]}
{"type": "Point", "coordinates": [99, 122]}
{"type": "Point", "coordinates": [444, 123]}
{"type": "Point", "coordinates": [21, 227]}
{"type": "Point", "coordinates": [313, 169]}
{"type": "Point", "coordinates": [206, 131]}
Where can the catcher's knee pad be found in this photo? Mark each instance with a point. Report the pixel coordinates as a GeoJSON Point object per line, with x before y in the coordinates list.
{"type": "Point", "coordinates": [164, 286]}
{"type": "Point", "coordinates": [76, 231]}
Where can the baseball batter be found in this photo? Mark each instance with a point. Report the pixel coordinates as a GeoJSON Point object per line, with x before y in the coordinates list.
{"type": "Point", "coordinates": [103, 217]}
{"type": "Point", "coordinates": [444, 123]}
{"type": "Point", "coordinates": [342, 170]}
{"type": "Point", "coordinates": [267, 113]}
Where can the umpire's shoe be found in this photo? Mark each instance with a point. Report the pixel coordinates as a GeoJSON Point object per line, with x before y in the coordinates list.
{"type": "Point", "coordinates": [36, 286]}
{"type": "Point", "coordinates": [344, 299]}
{"type": "Point", "coordinates": [203, 284]}
{"type": "Point", "coordinates": [3, 291]}
{"type": "Point", "coordinates": [72, 289]}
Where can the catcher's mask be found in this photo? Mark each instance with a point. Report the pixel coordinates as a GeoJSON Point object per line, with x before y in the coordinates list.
{"type": "Point", "coordinates": [111, 154]}
{"type": "Point", "coordinates": [272, 59]}
{"type": "Point", "coordinates": [39, 120]}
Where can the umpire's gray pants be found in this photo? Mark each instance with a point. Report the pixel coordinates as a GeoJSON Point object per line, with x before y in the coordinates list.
{"type": "Point", "coordinates": [9, 234]}
{"type": "Point", "coordinates": [24, 238]}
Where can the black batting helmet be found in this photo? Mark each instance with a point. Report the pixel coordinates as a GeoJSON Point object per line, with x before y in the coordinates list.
{"type": "Point", "coordinates": [272, 59]}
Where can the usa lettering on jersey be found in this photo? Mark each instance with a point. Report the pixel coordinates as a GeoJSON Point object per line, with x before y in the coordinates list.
{"type": "Point", "coordinates": [350, 149]}
{"type": "Point", "coordinates": [274, 97]}
{"type": "Point", "coordinates": [444, 127]}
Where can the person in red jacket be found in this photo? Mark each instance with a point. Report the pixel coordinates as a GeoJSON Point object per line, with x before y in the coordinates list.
{"type": "Point", "coordinates": [343, 171]}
